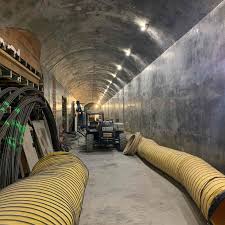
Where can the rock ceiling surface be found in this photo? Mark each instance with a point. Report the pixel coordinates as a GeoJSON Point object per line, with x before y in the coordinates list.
{"type": "Point", "coordinates": [84, 42]}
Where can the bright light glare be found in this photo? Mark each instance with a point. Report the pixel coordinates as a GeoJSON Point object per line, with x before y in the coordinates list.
{"type": "Point", "coordinates": [112, 74]}
{"type": "Point", "coordinates": [119, 67]}
{"type": "Point", "coordinates": [127, 51]}
{"type": "Point", "coordinates": [142, 23]}
{"type": "Point", "coordinates": [143, 28]}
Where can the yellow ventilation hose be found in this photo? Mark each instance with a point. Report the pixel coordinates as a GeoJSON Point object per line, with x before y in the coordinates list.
{"type": "Point", "coordinates": [205, 184]}
{"type": "Point", "coordinates": [132, 144]}
{"type": "Point", "coordinates": [52, 195]}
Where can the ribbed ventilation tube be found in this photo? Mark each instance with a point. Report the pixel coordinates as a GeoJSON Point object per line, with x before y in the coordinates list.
{"type": "Point", "coordinates": [52, 195]}
{"type": "Point", "coordinates": [132, 144]}
{"type": "Point", "coordinates": [205, 184]}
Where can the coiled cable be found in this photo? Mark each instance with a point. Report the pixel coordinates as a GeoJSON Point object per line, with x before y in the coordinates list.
{"type": "Point", "coordinates": [21, 102]}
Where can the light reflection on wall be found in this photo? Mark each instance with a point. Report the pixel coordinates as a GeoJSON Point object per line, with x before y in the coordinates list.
{"type": "Point", "coordinates": [162, 40]}
{"type": "Point", "coordinates": [121, 81]}
{"type": "Point", "coordinates": [139, 61]}
{"type": "Point", "coordinates": [130, 74]}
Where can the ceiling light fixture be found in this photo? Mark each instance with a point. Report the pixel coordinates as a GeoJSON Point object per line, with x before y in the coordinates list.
{"type": "Point", "coordinates": [127, 52]}
{"type": "Point", "coordinates": [112, 74]}
{"type": "Point", "coordinates": [119, 67]}
{"type": "Point", "coordinates": [143, 23]}
{"type": "Point", "coordinates": [144, 27]}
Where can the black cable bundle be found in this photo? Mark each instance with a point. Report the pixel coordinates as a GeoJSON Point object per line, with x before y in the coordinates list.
{"type": "Point", "coordinates": [13, 124]}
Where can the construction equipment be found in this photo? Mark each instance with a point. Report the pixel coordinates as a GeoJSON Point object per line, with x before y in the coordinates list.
{"type": "Point", "coordinates": [103, 132]}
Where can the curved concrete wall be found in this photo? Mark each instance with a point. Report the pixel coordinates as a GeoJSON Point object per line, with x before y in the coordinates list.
{"type": "Point", "coordinates": [30, 49]}
{"type": "Point", "coordinates": [179, 100]}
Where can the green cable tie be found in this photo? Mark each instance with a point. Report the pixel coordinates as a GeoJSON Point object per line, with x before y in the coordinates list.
{"type": "Point", "coordinates": [6, 103]}
{"type": "Point", "coordinates": [21, 141]}
{"type": "Point", "coordinates": [14, 145]}
{"type": "Point", "coordinates": [17, 110]}
{"type": "Point", "coordinates": [2, 109]}
{"type": "Point", "coordinates": [11, 142]}
{"type": "Point", "coordinates": [23, 129]}
{"type": "Point", "coordinates": [13, 122]}
{"type": "Point", "coordinates": [18, 125]}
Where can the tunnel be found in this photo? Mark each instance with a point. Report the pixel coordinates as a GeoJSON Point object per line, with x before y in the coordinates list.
{"type": "Point", "coordinates": [78, 78]}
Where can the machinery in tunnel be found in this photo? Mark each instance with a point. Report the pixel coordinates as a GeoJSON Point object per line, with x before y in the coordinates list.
{"type": "Point", "coordinates": [103, 132]}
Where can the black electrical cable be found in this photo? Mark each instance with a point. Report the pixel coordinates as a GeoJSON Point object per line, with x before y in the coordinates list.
{"type": "Point", "coordinates": [6, 91]}
{"type": "Point", "coordinates": [11, 157]}
{"type": "Point", "coordinates": [46, 110]}
{"type": "Point", "coordinates": [23, 101]}
{"type": "Point", "coordinates": [21, 136]}
{"type": "Point", "coordinates": [16, 94]}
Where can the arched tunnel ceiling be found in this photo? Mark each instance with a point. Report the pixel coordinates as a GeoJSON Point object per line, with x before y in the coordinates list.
{"type": "Point", "coordinates": [83, 41]}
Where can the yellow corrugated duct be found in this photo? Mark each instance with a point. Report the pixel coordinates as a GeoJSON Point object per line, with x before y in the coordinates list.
{"type": "Point", "coordinates": [132, 144]}
{"type": "Point", "coordinates": [52, 195]}
{"type": "Point", "coordinates": [205, 184]}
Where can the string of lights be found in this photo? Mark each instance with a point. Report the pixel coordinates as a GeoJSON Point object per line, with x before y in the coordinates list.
{"type": "Point", "coordinates": [143, 25]}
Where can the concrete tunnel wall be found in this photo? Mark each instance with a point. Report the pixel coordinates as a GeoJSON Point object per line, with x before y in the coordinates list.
{"type": "Point", "coordinates": [179, 99]}
{"type": "Point", "coordinates": [53, 92]}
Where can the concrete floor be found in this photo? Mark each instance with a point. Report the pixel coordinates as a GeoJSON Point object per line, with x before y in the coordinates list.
{"type": "Point", "coordinates": [124, 190]}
